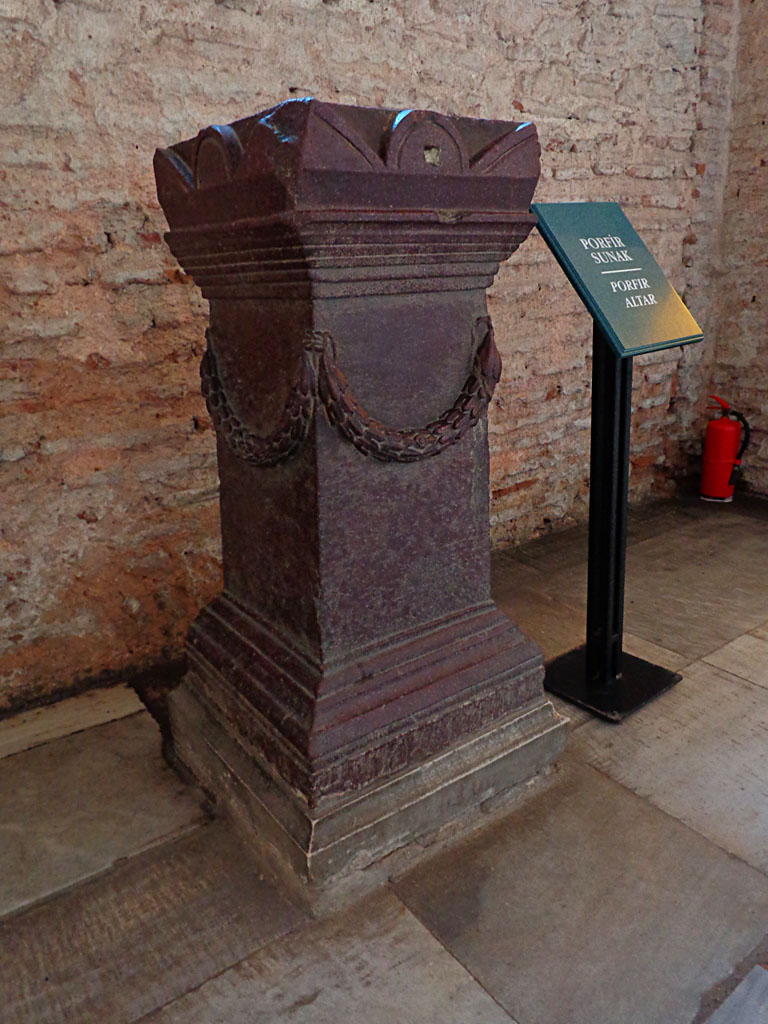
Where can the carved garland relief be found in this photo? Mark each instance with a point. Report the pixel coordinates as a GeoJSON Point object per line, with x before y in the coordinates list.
{"type": "Point", "coordinates": [320, 381]}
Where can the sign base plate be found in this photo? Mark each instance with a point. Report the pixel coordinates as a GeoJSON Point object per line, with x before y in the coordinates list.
{"type": "Point", "coordinates": [640, 681]}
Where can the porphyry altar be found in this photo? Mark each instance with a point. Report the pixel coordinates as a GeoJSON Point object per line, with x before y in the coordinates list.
{"type": "Point", "coordinates": [353, 687]}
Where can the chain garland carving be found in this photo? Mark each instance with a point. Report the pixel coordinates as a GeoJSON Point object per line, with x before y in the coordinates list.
{"type": "Point", "coordinates": [296, 419]}
{"type": "Point", "coordinates": [371, 437]}
{"type": "Point", "coordinates": [320, 379]}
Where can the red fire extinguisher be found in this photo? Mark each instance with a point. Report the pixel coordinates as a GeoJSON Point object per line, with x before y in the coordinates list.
{"type": "Point", "coordinates": [724, 447]}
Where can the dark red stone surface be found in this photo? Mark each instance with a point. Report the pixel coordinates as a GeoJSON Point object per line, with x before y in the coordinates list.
{"type": "Point", "coordinates": [346, 252]}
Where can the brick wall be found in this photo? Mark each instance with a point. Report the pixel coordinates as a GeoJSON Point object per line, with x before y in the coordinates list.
{"type": "Point", "coordinates": [741, 366]}
{"type": "Point", "coordinates": [109, 541]}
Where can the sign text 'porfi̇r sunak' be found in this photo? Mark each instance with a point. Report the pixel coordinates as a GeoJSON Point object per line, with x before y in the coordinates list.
{"type": "Point", "coordinates": [616, 277]}
{"type": "Point", "coordinates": [611, 250]}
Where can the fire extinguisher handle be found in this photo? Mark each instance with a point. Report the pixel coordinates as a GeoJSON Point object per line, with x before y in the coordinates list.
{"type": "Point", "coordinates": [720, 402]}
{"type": "Point", "coordinates": [746, 436]}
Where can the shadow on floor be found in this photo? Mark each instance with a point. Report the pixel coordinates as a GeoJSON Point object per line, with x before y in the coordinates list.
{"type": "Point", "coordinates": [632, 890]}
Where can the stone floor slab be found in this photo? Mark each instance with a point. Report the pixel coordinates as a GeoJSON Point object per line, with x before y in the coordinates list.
{"type": "Point", "coordinates": [567, 549]}
{"type": "Point", "coordinates": [674, 595]}
{"type": "Point", "coordinates": [41, 725]}
{"type": "Point", "coordinates": [576, 715]}
{"type": "Point", "coordinates": [521, 593]}
{"type": "Point", "coordinates": [133, 939]}
{"type": "Point", "coordinates": [698, 753]}
{"type": "Point", "coordinates": [563, 549]}
{"type": "Point", "coordinates": [748, 1004]}
{"type": "Point", "coordinates": [374, 964]}
{"type": "Point", "coordinates": [714, 997]}
{"type": "Point", "coordinates": [72, 807]}
{"type": "Point", "coordinates": [641, 648]}
{"type": "Point", "coordinates": [746, 657]}
{"type": "Point", "coordinates": [588, 905]}
{"type": "Point", "coordinates": [543, 587]}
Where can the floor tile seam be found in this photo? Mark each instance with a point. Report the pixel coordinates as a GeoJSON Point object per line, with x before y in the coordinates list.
{"type": "Point", "coordinates": [75, 732]}
{"type": "Point", "coordinates": [763, 873]}
{"type": "Point", "coordinates": [643, 538]}
{"type": "Point", "coordinates": [501, 566]}
{"type": "Point", "coordinates": [565, 564]}
{"type": "Point", "coordinates": [691, 661]}
{"type": "Point", "coordinates": [119, 864]}
{"type": "Point", "coordinates": [716, 1011]}
{"type": "Point", "coordinates": [541, 588]}
{"type": "Point", "coordinates": [733, 675]}
{"type": "Point", "coordinates": [680, 668]}
{"type": "Point", "coordinates": [392, 887]}
{"type": "Point", "coordinates": [260, 948]}
{"type": "Point", "coordinates": [581, 561]}
{"type": "Point", "coordinates": [753, 958]}
{"type": "Point", "coordinates": [651, 538]}
{"type": "Point", "coordinates": [687, 662]}
{"type": "Point", "coordinates": [568, 603]}
{"type": "Point", "coordinates": [642, 516]}
{"type": "Point", "coordinates": [579, 725]}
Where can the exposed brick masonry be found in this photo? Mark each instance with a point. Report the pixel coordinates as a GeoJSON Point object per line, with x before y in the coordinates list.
{"type": "Point", "coordinates": [110, 535]}
{"type": "Point", "coordinates": [741, 362]}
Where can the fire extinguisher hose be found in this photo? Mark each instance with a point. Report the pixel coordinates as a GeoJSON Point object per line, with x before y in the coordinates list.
{"type": "Point", "coordinates": [747, 433]}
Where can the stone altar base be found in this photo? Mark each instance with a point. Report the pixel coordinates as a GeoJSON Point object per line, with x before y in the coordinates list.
{"type": "Point", "coordinates": [323, 817]}
{"type": "Point", "coordinates": [354, 688]}
{"type": "Point", "coordinates": [342, 847]}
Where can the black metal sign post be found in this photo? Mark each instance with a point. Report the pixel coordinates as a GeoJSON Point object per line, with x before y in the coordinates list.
{"type": "Point", "coordinates": [599, 675]}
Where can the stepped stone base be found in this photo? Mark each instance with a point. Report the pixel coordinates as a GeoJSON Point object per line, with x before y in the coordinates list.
{"type": "Point", "coordinates": [341, 845]}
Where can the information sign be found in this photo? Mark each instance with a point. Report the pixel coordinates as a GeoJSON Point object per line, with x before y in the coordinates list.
{"type": "Point", "coordinates": [617, 279]}
{"type": "Point", "coordinates": [634, 309]}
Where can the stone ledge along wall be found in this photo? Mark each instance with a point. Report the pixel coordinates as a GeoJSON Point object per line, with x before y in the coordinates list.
{"type": "Point", "coordinates": [741, 365]}
{"type": "Point", "coordinates": [110, 534]}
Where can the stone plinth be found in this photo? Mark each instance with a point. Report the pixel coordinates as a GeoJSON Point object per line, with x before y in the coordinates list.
{"type": "Point", "coordinates": [354, 686]}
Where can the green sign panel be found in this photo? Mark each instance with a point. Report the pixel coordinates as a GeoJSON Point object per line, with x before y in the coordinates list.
{"type": "Point", "coordinates": [617, 279]}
